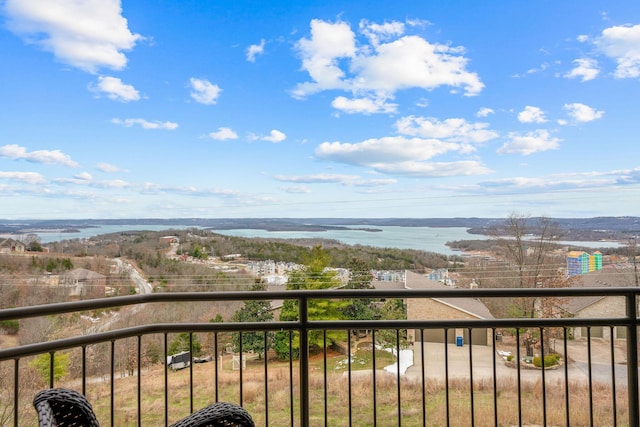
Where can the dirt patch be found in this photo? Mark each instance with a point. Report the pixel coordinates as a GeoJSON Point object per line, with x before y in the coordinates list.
{"type": "Point", "coordinates": [8, 341]}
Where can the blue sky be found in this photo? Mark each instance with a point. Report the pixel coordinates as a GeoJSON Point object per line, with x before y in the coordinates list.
{"type": "Point", "coordinates": [149, 108]}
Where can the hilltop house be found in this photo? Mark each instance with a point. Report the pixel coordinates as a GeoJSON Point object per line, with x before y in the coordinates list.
{"type": "Point", "coordinates": [603, 307]}
{"type": "Point", "coordinates": [81, 282]}
{"type": "Point", "coordinates": [439, 309]}
{"type": "Point", "coordinates": [9, 246]}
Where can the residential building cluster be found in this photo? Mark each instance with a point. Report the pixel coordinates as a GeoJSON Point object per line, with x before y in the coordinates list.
{"type": "Point", "coordinates": [442, 275]}
{"type": "Point", "coordinates": [582, 262]}
{"type": "Point", "coordinates": [389, 276]}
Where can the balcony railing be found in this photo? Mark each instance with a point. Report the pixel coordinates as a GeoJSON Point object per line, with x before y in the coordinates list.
{"type": "Point", "coordinates": [459, 383]}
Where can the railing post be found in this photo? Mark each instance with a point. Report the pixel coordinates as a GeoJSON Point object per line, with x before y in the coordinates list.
{"type": "Point", "coordinates": [304, 361]}
{"type": "Point", "coordinates": [16, 391]}
{"type": "Point", "coordinates": [632, 359]}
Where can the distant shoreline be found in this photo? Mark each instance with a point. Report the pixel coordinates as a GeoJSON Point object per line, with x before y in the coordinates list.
{"type": "Point", "coordinates": [587, 229]}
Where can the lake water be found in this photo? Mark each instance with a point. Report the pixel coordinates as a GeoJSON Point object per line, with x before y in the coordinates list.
{"type": "Point", "coordinates": [430, 239]}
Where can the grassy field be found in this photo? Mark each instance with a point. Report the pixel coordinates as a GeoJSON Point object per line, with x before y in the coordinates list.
{"type": "Point", "coordinates": [358, 401]}
{"type": "Point", "coordinates": [341, 405]}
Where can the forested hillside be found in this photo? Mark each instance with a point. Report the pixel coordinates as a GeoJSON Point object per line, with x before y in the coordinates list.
{"type": "Point", "coordinates": [147, 249]}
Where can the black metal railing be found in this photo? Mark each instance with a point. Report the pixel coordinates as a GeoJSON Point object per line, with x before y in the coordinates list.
{"type": "Point", "coordinates": [449, 383]}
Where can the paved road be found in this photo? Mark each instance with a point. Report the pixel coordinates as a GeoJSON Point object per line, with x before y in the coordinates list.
{"type": "Point", "coordinates": [143, 286]}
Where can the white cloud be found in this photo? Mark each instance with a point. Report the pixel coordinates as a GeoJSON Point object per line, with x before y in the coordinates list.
{"type": "Point", "coordinates": [275, 136]}
{"type": "Point", "coordinates": [565, 181]}
{"type": "Point", "coordinates": [320, 54]}
{"type": "Point", "coordinates": [379, 69]}
{"type": "Point", "coordinates": [363, 105]}
{"type": "Point", "coordinates": [327, 178]}
{"type": "Point", "coordinates": [88, 34]}
{"type": "Point", "coordinates": [88, 181]}
{"type": "Point", "coordinates": [297, 189]}
{"type": "Point", "coordinates": [26, 177]}
{"type": "Point", "coordinates": [380, 32]}
{"type": "Point", "coordinates": [582, 113]}
{"type": "Point", "coordinates": [223, 134]}
{"type": "Point", "coordinates": [413, 62]}
{"type": "Point", "coordinates": [384, 150]}
{"type": "Point", "coordinates": [107, 167]}
{"type": "Point", "coordinates": [531, 115]}
{"type": "Point", "coordinates": [622, 44]}
{"type": "Point", "coordinates": [16, 152]}
{"type": "Point", "coordinates": [255, 50]}
{"type": "Point", "coordinates": [145, 124]}
{"type": "Point", "coordinates": [544, 66]}
{"type": "Point", "coordinates": [113, 183]}
{"type": "Point", "coordinates": [586, 69]}
{"type": "Point", "coordinates": [416, 22]}
{"type": "Point", "coordinates": [422, 103]}
{"type": "Point", "coordinates": [484, 112]}
{"type": "Point", "coordinates": [85, 176]}
{"type": "Point", "coordinates": [453, 129]}
{"type": "Point", "coordinates": [529, 143]}
{"type": "Point", "coordinates": [115, 89]}
{"type": "Point", "coordinates": [400, 155]}
{"type": "Point", "coordinates": [204, 91]}
{"type": "Point", "coordinates": [434, 169]}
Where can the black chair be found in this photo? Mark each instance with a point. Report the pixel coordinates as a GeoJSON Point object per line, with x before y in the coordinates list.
{"type": "Point", "coordinates": [59, 407]}
{"type": "Point", "coordinates": [220, 414]}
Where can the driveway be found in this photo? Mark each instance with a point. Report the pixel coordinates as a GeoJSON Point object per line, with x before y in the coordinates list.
{"type": "Point", "coordinates": [482, 356]}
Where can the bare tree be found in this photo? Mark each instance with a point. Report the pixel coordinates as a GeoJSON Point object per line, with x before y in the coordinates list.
{"type": "Point", "coordinates": [633, 246]}
{"type": "Point", "coordinates": [553, 307]}
{"type": "Point", "coordinates": [37, 329]}
{"type": "Point", "coordinates": [526, 244]}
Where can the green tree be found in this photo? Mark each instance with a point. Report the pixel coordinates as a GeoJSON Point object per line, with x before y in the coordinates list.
{"type": "Point", "coordinates": [34, 246]}
{"type": "Point", "coordinates": [10, 326]}
{"type": "Point", "coordinates": [219, 339]}
{"type": "Point", "coordinates": [198, 251]}
{"type": "Point", "coordinates": [314, 275]}
{"type": "Point", "coordinates": [360, 277]}
{"type": "Point", "coordinates": [393, 309]}
{"type": "Point", "coordinates": [32, 242]}
{"type": "Point", "coordinates": [254, 311]}
{"type": "Point", "coordinates": [42, 364]}
{"type": "Point", "coordinates": [181, 343]}
{"type": "Point", "coordinates": [58, 264]}
{"type": "Point", "coordinates": [217, 319]}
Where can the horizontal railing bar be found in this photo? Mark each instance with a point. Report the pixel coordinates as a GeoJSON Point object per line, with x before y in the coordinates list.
{"type": "Point", "coordinates": [155, 328]}
{"type": "Point", "coordinates": [92, 304]}
{"type": "Point", "coordinates": [56, 345]}
{"type": "Point", "coordinates": [468, 323]}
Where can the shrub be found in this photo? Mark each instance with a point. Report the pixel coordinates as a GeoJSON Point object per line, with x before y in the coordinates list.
{"type": "Point", "coordinates": [10, 326]}
{"type": "Point", "coordinates": [61, 363]}
{"type": "Point", "coordinates": [181, 343]}
{"type": "Point", "coordinates": [549, 360]}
